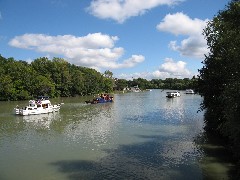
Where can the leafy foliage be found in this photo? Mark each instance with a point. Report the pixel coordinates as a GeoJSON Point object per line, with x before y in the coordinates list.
{"type": "Point", "coordinates": [219, 79]}
{"type": "Point", "coordinates": [168, 83]}
{"type": "Point", "coordinates": [20, 80]}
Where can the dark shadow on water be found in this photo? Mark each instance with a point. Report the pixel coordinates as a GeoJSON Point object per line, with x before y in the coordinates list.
{"type": "Point", "coordinates": [136, 161]}
{"type": "Point", "coordinates": [146, 161]}
{"type": "Point", "coordinates": [217, 162]}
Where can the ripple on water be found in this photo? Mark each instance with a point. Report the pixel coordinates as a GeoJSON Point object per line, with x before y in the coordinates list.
{"type": "Point", "coordinates": [139, 136]}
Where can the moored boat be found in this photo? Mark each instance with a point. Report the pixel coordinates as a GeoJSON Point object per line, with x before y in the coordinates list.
{"type": "Point", "coordinates": [173, 94]}
{"type": "Point", "coordinates": [189, 91]}
{"type": "Point", "coordinates": [135, 89]}
{"type": "Point", "coordinates": [39, 106]}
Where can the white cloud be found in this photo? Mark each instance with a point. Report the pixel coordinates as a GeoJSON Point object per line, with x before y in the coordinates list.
{"type": "Point", "coordinates": [191, 47]}
{"type": "Point", "coordinates": [173, 69]}
{"type": "Point", "coordinates": [120, 10]}
{"type": "Point", "coordinates": [93, 50]}
{"type": "Point", "coordinates": [180, 24]}
{"type": "Point", "coordinates": [169, 69]}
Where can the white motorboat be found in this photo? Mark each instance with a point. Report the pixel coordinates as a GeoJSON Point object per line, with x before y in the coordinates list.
{"type": "Point", "coordinates": [173, 94]}
{"type": "Point", "coordinates": [189, 91]}
{"type": "Point", "coordinates": [40, 106]}
{"type": "Point", "coordinates": [135, 89]}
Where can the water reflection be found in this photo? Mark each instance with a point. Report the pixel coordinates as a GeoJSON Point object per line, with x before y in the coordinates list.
{"type": "Point", "coordinates": [40, 121]}
{"type": "Point", "coordinates": [92, 127]}
{"type": "Point", "coordinates": [133, 161]}
{"type": "Point", "coordinates": [139, 136]}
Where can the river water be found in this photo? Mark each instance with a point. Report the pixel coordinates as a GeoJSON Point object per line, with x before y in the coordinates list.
{"type": "Point", "coordinates": [140, 136]}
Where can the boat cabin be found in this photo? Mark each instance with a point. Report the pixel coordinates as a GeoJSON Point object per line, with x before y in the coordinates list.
{"type": "Point", "coordinates": [173, 94]}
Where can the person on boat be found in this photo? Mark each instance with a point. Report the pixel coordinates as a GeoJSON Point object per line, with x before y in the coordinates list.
{"type": "Point", "coordinates": [107, 97]}
{"type": "Point", "coordinates": [38, 101]}
{"type": "Point", "coordinates": [111, 98]}
{"type": "Point", "coordinates": [102, 96]}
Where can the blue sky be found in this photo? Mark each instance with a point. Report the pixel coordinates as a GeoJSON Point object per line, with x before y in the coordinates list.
{"type": "Point", "coordinates": [150, 39]}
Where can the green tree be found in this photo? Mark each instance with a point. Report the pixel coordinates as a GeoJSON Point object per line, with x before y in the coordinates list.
{"type": "Point", "coordinates": [219, 79]}
{"type": "Point", "coordinates": [61, 77]}
{"type": "Point", "coordinates": [7, 90]}
{"type": "Point", "coordinates": [20, 80]}
{"type": "Point", "coordinates": [109, 81]}
{"type": "Point", "coordinates": [93, 81]}
{"type": "Point", "coordinates": [77, 80]}
{"type": "Point", "coordinates": [108, 74]}
{"type": "Point", "coordinates": [43, 86]}
{"type": "Point", "coordinates": [108, 85]}
{"type": "Point", "coordinates": [121, 84]}
{"type": "Point", "coordinates": [43, 66]}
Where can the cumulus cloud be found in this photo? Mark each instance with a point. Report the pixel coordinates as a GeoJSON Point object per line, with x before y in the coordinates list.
{"type": "Point", "coordinates": [93, 50]}
{"type": "Point", "coordinates": [169, 69]}
{"type": "Point", "coordinates": [180, 24]}
{"type": "Point", "coordinates": [120, 10]}
{"type": "Point", "coordinates": [173, 69]}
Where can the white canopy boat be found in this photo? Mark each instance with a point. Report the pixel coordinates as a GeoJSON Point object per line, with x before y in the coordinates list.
{"type": "Point", "coordinates": [189, 91]}
{"type": "Point", "coordinates": [173, 94]}
{"type": "Point", "coordinates": [40, 106]}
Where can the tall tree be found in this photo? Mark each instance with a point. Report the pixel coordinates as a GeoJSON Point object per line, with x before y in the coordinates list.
{"type": "Point", "coordinates": [108, 74]}
{"type": "Point", "coordinates": [43, 86]}
{"type": "Point", "coordinates": [7, 90]}
{"type": "Point", "coordinates": [77, 81]}
{"type": "Point", "coordinates": [61, 76]}
{"type": "Point", "coordinates": [121, 84]}
{"type": "Point", "coordinates": [219, 79]}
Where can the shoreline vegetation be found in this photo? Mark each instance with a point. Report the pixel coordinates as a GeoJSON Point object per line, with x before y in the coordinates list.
{"type": "Point", "coordinates": [20, 80]}
{"type": "Point", "coordinates": [219, 79]}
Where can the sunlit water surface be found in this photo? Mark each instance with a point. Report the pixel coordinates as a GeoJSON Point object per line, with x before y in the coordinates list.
{"type": "Point", "coordinates": [140, 136]}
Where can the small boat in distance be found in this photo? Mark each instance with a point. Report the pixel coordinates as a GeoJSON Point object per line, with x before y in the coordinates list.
{"type": "Point", "coordinates": [40, 106]}
{"type": "Point", "coordinates": [173, 94]}
{"type": "Point", "coordinates": [189, 91]}
{"type": "Point", "coordinates": [135, 89]}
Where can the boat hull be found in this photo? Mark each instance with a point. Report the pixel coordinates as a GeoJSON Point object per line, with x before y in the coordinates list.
{"type": "Point", "coordinates": [99, 100]}
{"type": "Point", "coordinates": [37, 107]}
{"type": "Point", "coordinates": [189, 91]}
{"type": "Point", "coordinates": [173, 94]}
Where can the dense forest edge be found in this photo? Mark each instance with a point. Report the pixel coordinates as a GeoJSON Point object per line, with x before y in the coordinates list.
{"type": "Point", "coordinates": [219, 79]}
{"type": "Point", "coordinates": [20, 80]}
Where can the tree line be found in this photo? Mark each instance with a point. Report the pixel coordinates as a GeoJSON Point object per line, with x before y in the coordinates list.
{"type": "Point", "coordinates": [168, 83]}
{"type": "Point", "coordinates": [20, 80]}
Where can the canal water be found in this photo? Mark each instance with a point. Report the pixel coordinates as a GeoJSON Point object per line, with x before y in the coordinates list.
{"type": "Point", "coordinates": [140, 136]}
